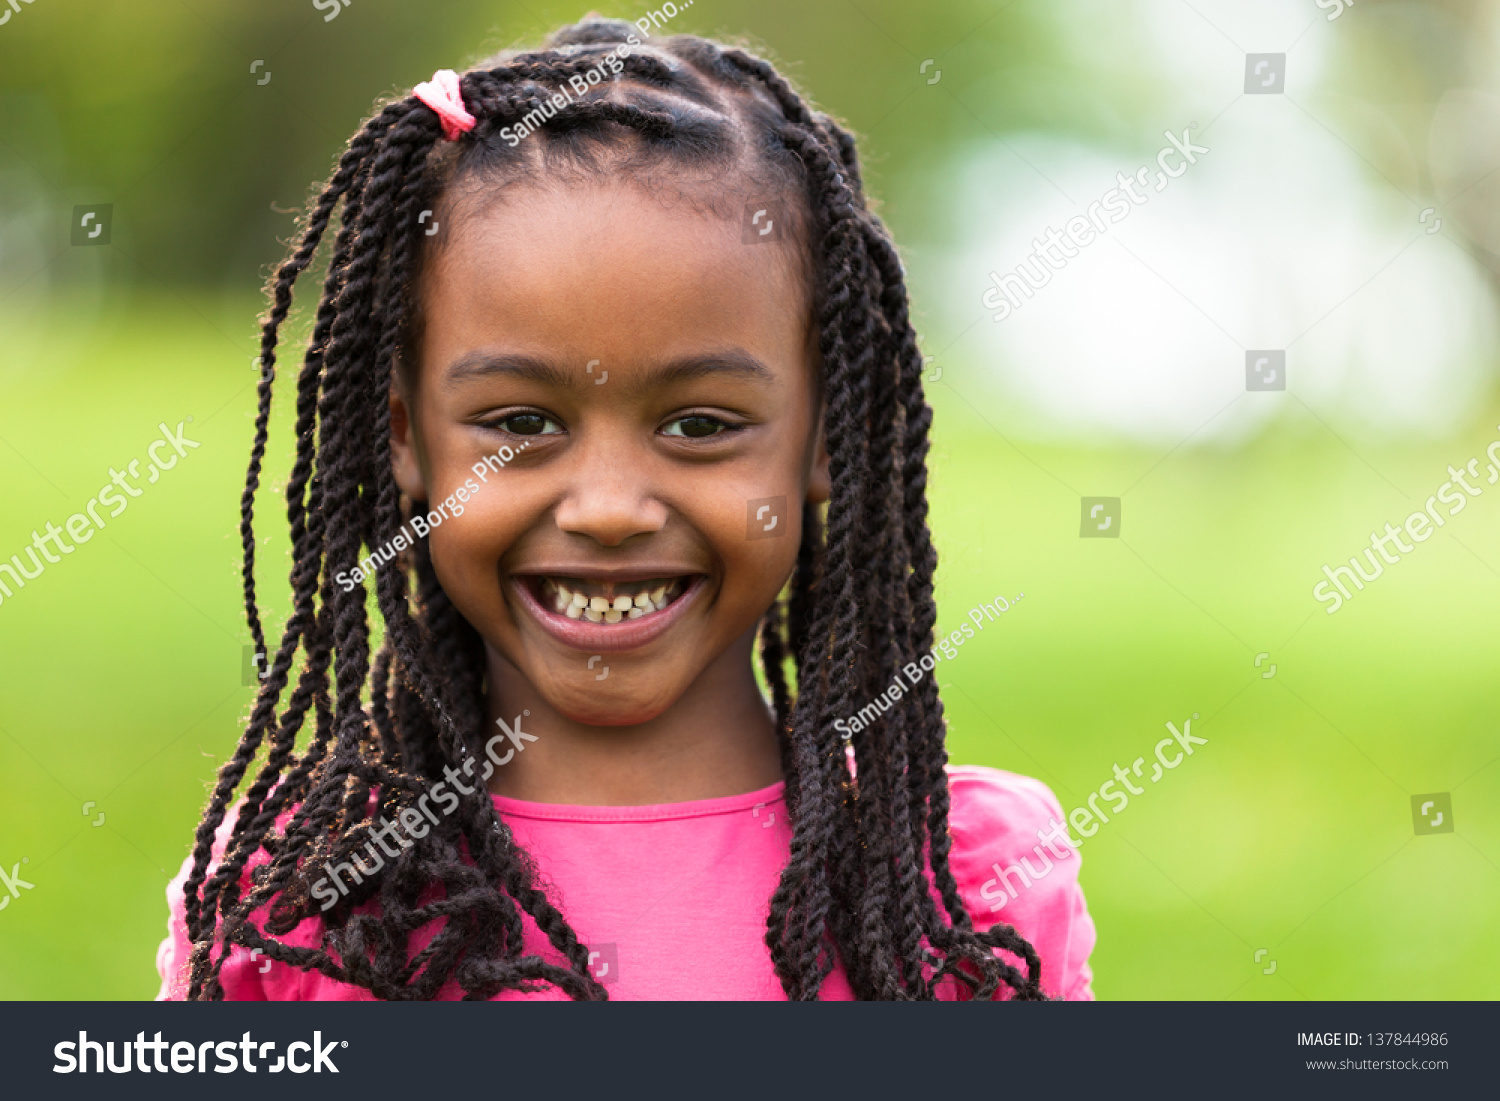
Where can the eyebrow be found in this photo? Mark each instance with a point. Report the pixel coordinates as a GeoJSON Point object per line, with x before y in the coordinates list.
{"type": "Point", "coordinates": [732, 362]}
{"type": "Point", "coordinates": [476, 365]}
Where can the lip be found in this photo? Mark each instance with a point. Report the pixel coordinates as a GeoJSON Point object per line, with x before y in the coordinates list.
{"type": "Point", "coordinates": [599, 638]}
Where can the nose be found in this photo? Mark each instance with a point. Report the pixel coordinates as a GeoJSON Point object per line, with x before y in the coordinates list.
{"type": "Point", "coordinates": [610, 496]}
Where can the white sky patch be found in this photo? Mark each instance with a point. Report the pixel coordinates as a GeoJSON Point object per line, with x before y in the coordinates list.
{"type": "Point", "coordinates": [1279, 237]}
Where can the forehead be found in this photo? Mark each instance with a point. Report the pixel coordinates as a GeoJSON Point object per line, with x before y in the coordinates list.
{"type": "Point", "coordinates": [607, 268]}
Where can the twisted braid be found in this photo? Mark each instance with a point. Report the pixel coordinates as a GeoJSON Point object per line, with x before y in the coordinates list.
{"type": "Point", "coordinates": [801, 903]}
{"type": "Point", "coordinates": [352, 169]}
{"type": "Point", "coordinates": [858, 605]}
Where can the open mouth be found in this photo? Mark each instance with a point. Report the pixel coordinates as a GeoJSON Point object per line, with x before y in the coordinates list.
{"type": "Point", "coordinates": [606, 601]}
{"type": "Point", "coordinates": [608, 615]}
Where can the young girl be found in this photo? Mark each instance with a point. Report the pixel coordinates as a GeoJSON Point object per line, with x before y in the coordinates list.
{"type": "Point", "coordinates": [612, 378]}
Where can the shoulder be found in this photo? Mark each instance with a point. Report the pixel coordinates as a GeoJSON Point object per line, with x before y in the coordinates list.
{"type": "Point", "coordinates": [990, 804]}
{"type": "Point", "coordinates": [1014, 863]}
{"type": "Point", "coordinates": [243, 976]}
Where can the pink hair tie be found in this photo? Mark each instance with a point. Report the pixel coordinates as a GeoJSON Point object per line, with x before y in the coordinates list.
{"type": "Point", "coordinates": [441, 93]}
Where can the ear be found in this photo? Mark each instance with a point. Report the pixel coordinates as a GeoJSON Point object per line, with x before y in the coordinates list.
{"type": "Point", "coordinates": [405, 463]}
{"type": "Point", "coordinates": [819, 482]}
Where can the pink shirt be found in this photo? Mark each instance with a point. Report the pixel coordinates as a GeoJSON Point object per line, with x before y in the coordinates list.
{"type": "Point", "coordinates": [673, 898]}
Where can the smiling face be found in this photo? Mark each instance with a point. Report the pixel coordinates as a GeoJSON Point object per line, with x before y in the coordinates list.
{"type": "Point", "coordinates": [662, 375]}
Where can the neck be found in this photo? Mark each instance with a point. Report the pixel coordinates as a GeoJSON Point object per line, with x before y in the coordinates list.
{"type": "Point", "coordinates": [717, 739]}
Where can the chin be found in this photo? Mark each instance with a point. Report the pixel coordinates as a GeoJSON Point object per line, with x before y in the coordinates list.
{"type": "Point", "coordinates": [594, 704]}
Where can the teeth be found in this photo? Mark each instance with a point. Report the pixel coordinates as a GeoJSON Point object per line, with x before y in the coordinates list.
{"type": "Point", "coordinates": [569, 601]}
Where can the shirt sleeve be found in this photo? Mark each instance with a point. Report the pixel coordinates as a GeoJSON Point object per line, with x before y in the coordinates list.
{"type": "Point", "coordinates": [245, 977]}
{"type": "Point", "coordinates": [1014, 864]}
{"type": "Point", "coordinates": [172, 954]}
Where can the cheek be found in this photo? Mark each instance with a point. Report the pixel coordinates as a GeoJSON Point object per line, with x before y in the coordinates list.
{"type": "Point", "coordinates": [755, 518]}
{"type": "Point", "coordinates": [466, 549]}
{"type": "Point", "coordinates": [755, 530]}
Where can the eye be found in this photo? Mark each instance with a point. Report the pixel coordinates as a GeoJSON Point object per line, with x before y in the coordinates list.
{"type": "Point", "coordinates": [696, 427]}
{"type": "Point", "coordinates": [528, 423]}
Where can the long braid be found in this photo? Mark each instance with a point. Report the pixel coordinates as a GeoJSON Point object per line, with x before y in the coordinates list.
{"type": "Point", "coordinates": [919, 597]}
{"type": "Point", "coordinates": [846, 344]}
{"type": "Point", "coordinates": [281, 304]}
{"type": "Point", "coordinates": [859, 605]}
{"type": "Point", "coordinates": [350, 168]}
{"type": "Point", "coordinates": [805, 581]}
{"type": "Point", "coordinates": [889, 862]}
{"type": "Point", "coordinates": [919, 582]}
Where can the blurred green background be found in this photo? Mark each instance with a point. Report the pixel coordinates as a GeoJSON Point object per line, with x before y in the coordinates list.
{"type": "Point", "coordinates": [1306, 228]}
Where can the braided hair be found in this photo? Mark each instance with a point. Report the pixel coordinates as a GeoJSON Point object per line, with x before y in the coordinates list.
{"type": "Point", "coordinates": [859, 603]}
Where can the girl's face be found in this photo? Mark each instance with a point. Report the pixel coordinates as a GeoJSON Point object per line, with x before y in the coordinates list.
{"type": "Point", "coordinates": [659, 367]}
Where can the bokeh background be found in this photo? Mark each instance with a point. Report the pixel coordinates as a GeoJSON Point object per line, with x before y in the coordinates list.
{"type": "Point", "coordinates": [1350, 217]}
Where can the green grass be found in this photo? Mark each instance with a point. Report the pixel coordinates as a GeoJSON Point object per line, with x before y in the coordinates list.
{"type": "Point", "coordinates": [1290, 830]}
